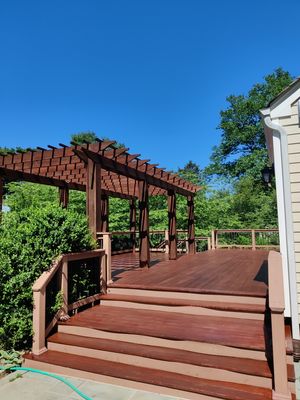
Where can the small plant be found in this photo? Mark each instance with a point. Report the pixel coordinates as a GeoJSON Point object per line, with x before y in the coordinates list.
{"type": "Point", "coordinates": [59, 301]}
{"type": "Point", "coordinates": [10, 358]}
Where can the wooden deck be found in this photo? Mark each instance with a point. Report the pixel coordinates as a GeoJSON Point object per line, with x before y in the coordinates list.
{"type": "Point", "coordinates": [196, 328]}
{"type": "Point", "coordinates": [232, 272]}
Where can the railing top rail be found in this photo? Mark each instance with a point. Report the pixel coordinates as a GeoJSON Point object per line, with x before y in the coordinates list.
{"type": "Point", "coordinates": [276, 291]}
{"type": "Point", "coordinates": [46, 276]}
{"type": "Point", "coordinates": [245, 230]}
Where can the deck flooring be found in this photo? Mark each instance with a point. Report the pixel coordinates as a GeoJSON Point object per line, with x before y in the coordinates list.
{"type": "Point", "coordinates": [232, 272]}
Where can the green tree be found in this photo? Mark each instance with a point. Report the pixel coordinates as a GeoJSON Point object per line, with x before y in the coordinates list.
{"type": "Point", "coordinates": [242, 150]}
{"type": "Point", "coordinates": [84, 137]}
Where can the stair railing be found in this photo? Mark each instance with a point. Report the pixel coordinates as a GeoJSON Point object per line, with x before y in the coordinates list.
{"type": "Point", "coordinates": [276, 305]}
{"type": "Point", "coordinates": [54, 284]}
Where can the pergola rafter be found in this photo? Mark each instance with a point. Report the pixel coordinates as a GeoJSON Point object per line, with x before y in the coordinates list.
{"type": "Point", "coordinates": [102, 170]}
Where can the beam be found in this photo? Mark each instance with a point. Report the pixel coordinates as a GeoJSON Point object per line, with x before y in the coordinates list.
{"type": "Point", "coordinates": [104, 213]}
{"type": "Point", "coordinates": [144, 225]}
{"type": "Point", "coordinates": [13, 175]}
{"type": "Point", "coordinates": [172, 225]}
{"type": "Point", "coordinates": [130, 171]}
{"type": "Point", "coordinates": [93, 196]}
{"type": "Point", "coordinates": [64, 196]}
{"type": "Point", "coordinates": [191, 225]}
{"type": "Point", "coordinates": [132, 223]}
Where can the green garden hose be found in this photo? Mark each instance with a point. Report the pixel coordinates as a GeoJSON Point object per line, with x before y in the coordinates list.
{"type": "Point", "coordinates": [60, 378]}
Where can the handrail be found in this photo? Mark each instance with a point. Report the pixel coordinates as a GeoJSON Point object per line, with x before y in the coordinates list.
{"type": "Point", "coordinates": [277, 306]}
{"type": "Point", "coordinates": [39, 288]}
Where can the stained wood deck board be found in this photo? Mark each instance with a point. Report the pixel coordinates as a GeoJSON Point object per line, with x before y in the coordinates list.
{"type": "Point", "coordinates": [223, 390]}
{"type": "Point", "coordinates": [232, 272]}
{"type": "Point", "coordinates": [234, 364]}
{"type": "Point", "coordinates": [171, 302]}
{"type": "Point", "coordinates": [235, 332]}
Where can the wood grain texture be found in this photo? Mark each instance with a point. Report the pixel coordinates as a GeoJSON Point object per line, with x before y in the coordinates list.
{"type": "Point", "coordinates": [214, 305]}
{"type": "Point", "coordinates": [234, 364]}
{"type": "Point", "coordinates": [232, 272]}
{"type": "Point", "coordinates": [223, 390]}
{"type": "Point", "coordinates": [246, 334]}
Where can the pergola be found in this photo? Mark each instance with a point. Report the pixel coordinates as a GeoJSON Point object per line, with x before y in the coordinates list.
{"type": "Point", "coordinates": [102, 170]}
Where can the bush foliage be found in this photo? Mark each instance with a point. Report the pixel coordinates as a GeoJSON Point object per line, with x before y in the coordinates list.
{"type": "Point", "coordinates": [29, 240]}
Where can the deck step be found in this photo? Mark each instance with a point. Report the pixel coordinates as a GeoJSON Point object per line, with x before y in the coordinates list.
{"type": "Point", "coordinates": [180, 359]}
{"type": "Point", "coordinates": [176, 293]}
{"type": "Point", "coordinates": [207, 387]}
{"type": "Point", "coordinates": [187, 306]}
{"type": "Point", "coordinates": [177, 302]}
{"type": "Point", "coordinates": [236, 333]}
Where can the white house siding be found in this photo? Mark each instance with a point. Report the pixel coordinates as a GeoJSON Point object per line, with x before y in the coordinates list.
{"type": "Point", "coordinates": [291, 126]}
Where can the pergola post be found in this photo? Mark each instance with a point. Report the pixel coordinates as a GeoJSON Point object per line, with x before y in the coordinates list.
{"type": "Point", "coordinates": [144, 225]}
{"type": "Point", "coordinates": [172, 225]}
{"type": "Point", "coordinates": [191, 225]}
{"type": "Point", "coordinates": [93, 196]}
{"type": "Point", "coordinates": [63, 196]}
{"type": "Point", "coordinates": [132, 223]}
{"type": "Point", "coordinates": [104, 213]}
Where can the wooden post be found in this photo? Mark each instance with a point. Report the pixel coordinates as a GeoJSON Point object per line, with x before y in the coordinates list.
{"type": "Point", "coordinates": [39, 321]}
{"type": "Point", "coordinates": [167, 241]}
{"type": "Point", "coordinates": [132, 223]}
{"type": "Point", "coordinates": [253, 239]}
{"type": "Point", "coordinates": [213, 244]}
{"type": "Point", "coordinates": [172, 225]}
{"type": "Point", "coordinates": [64, 196]}
{"type": "Point", "coordinates": [281, 389]}
{"type": "Point", "coordinates": [93, 196]}
{"type": "Point", "coordinates": [144, 225]}
{"type": "Point", "coordinates": [106, 278]}
{"type": "Point", "coordinates": [191, 225]}
{"type": "Point", "coordinates": [104, 213]}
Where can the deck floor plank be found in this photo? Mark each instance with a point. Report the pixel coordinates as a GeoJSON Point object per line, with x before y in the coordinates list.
{"type": "Point", "coordinates": [234, 272]}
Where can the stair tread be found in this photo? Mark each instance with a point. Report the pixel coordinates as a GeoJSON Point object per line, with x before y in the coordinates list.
{"type": "Point", "coordinates": [234, 364]}
{"type": "Point", "coordinates": [223, 390]}
{"type": "Point", "coordinates": [234, 332]}
{"type": "Point", "coordinates": [216, 305]}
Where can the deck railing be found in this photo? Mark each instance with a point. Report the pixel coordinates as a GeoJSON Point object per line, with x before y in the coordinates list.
{"type": "Point", "coordinates": [245, 238]}
{"type": "Point", "coordinates": [73, 281]}
{"type": "Point", "coordinates": [127, 241]}
{"type": "Point", "coordinates": [276, 305]}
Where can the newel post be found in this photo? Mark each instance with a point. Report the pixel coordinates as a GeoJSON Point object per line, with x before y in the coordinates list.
{"type": "Point", "coordinates": [191, 225]}
{"type": "Point", "coordinates": [276, 304]}
{"type": "Point", "coordinates": [253, 239]}
{"type": "Point", "coordinates": [93, 196]}
{"type": "Point", "coordinates": [144, 225]}
{"type": "Point", "coordinates": [106, 278]}
{"type": "Point", "coordinates": [39, 321]}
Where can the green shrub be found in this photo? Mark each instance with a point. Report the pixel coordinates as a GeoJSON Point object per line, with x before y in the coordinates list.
{"type": "Point", "coordinates": [29, 240]}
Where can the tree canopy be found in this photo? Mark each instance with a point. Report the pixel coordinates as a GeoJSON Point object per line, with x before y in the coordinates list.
{"type": "Point", "coordinates": [242, 150]}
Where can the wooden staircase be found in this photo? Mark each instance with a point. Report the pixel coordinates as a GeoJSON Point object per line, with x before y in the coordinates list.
{"type": "Point", "coordinates": [190, 345]}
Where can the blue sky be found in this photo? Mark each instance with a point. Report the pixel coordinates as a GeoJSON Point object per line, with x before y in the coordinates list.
{"type": "Point", "coordinates": [151, 74]}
